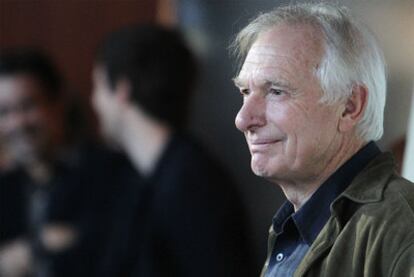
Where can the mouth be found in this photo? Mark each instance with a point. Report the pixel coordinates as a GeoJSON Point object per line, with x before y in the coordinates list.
{"type": "Point", "coordinates": [262, 145]}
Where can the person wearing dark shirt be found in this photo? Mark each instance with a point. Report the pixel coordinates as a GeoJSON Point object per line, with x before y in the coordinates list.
{"type": "Point", "coordinates": [46, 219]}
{"type": "Point", "coordinates": [177, 212]}
{"type": "Point", "coordinates": [313, 84]}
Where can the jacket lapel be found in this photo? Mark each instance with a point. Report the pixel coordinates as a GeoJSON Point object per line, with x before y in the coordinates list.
{"type": "Point", "coordinates": [342, 209]}
{"type": "Point", "coordinates": [320, 246]}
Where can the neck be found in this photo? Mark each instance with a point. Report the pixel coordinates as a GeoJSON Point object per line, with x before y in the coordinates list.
{"type": "Point", "coordinates": [299, 191]}
{"type": "Point", "coordinates": [143, 140]}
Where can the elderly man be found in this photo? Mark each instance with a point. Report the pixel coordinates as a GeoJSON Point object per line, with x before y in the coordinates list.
{"type": "Point", "coordinates": [313, 87]}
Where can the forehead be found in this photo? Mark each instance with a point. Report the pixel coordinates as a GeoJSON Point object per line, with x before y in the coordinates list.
{"type": "Point", "coordinates": [14, 88]}
{"type": "Point", "coordinates": [284, 50]}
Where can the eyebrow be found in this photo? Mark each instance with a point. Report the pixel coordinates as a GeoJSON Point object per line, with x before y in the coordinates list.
{"type": "Point", "coordinates": [280, 84]}
{"type": "Point", "coordinates": [239, 83]}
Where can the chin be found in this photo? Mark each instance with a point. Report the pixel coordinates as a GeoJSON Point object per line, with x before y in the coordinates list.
{"type": "Point", "coordinates": [260, 165]}
{"type": "Point", "coordinates": [268, 169]}
{"type": "Point", "coordinates": [261, 171]}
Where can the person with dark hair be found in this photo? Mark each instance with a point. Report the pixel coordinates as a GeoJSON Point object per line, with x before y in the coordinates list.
{"type": "Point", "coordinates": [30, 92]}
{"type": "Point", "coordinates": [44, 212]}
{"type": "Point", "coordinates": [179, 213]}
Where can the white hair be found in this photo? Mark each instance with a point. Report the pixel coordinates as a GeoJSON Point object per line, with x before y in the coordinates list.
{"type": "Point", "coordinates": [352, 56]}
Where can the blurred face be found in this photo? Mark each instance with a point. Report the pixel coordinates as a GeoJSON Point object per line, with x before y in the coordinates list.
{"type": "Point", "coordinates": [25, 119]}
{"type": "Point", "coordinates": [105, 104]}
{"type": "Point", "coordinates": [290, 134]}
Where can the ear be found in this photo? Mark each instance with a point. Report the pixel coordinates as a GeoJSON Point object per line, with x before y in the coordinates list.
{"type": "Point", "coordinates": [123, 90]}
{"type": "Point", "coordinates": [354, 108]}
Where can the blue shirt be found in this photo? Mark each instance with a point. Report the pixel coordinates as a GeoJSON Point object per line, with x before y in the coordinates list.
{"type": "Point", "coordinates": [295, 232]}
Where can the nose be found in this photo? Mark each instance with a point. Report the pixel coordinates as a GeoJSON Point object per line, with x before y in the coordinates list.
{"type": "Point", "coordinates": [252, 114]}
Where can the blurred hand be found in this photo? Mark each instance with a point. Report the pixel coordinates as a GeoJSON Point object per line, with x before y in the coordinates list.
{"type": "Point", "coordinates": [15, 259]}
{"type": "Point", "coordinates": [58, 237]}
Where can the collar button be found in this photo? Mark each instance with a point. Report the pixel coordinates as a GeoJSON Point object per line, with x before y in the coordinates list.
{"type": "Point", "coordinates": [279, 257]}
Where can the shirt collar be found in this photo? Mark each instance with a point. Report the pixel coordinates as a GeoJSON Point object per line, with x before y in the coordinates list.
{"type": "Point", "coordinates": [313, 215]}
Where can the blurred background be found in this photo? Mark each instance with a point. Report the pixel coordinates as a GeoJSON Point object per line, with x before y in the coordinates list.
{"type": "Point", "coordinates": [70, 30]}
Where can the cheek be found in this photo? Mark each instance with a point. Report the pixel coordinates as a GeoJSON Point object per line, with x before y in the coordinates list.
{"type": "Point", "coordinates": [103, 107]}
{"type": "Point", "coordinates": [107, 112]}
{"type": "Point", "coordinates": [97, 101]}
{"type": "Point", "coordinates": [297, 124]}
{"type": "Point", "coordinates": [285, 119]}
{"type": "Point", "coordinates": [315, 135]}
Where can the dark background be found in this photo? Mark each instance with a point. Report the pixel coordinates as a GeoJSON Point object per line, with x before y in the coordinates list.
{"type": "Point", "coordinates": [70, 31]}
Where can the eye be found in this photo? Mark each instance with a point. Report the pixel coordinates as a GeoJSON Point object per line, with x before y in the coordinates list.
{"type": "Point", "coordinates": [275, 91]}
{"type": "Point", "coordinates": [244, 91]}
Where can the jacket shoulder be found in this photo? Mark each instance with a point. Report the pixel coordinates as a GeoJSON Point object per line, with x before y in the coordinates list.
{"type": "Point", "coordinates": [395, 211]}
{"type": "Point", "coordinates": [400, 190]}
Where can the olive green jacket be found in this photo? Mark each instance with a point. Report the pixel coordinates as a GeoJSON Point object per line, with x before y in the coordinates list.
{"type": "Point", "coordinates": [370, 231]}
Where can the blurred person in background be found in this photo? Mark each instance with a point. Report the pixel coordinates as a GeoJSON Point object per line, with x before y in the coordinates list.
{"type": "Point", "coordinates": [46, 219]}
{"type": "Point", "coordinates": [178, 212]}
{"type": "Point", "coordinates": [313, 85]}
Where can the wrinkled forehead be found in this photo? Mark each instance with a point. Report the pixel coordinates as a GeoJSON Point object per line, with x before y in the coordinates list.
{"type": "Point", "coordinates": [283, 50]}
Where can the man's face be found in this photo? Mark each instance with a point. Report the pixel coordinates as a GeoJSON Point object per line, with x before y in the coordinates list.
{"type": "Point", "coordinates": [290, 134]}
{"type": "Point", "coordinates": [105, 104]}
{"type": "Point", "coordinates": [25, 119]}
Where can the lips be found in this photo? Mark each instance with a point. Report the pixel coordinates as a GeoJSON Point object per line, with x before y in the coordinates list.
{"type": "Point", "coordinates": [261, 144]}
{"type": "Point", "coordinates": [263, 141]}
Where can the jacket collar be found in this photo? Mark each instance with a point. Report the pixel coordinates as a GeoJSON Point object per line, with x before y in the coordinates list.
{"type": "Point", "coordinates": [369, 185]}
